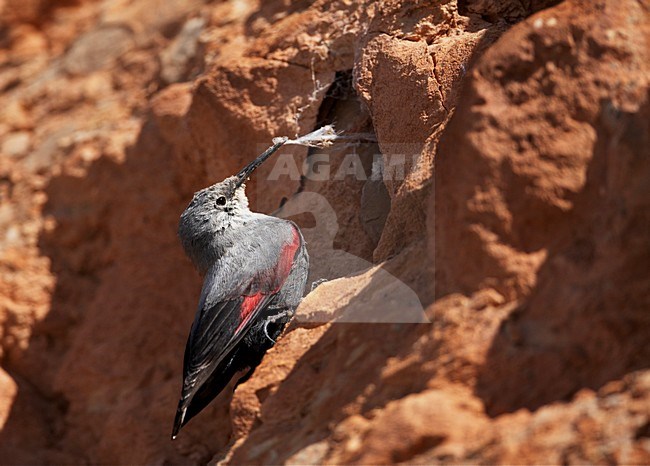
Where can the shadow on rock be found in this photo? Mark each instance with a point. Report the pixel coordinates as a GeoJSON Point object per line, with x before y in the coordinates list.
{"type": "Point", "coordinates": [586, 321]}
{"type": "Point", "coordinates": [101, 376]}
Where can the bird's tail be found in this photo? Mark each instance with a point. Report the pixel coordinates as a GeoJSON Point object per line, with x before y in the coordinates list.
{"type": "Point", "coordinates": [178, 420]}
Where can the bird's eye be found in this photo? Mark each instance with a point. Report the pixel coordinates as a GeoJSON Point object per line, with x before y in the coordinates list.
{"type": "Point", "coordinates": [221, 200]}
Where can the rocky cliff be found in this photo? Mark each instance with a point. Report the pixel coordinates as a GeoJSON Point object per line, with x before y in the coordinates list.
{"type": "Point", "coordinates": [520, 225]}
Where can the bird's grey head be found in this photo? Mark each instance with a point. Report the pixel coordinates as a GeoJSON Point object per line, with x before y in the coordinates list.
{"type": "Point", "coordinates": [217, 215]}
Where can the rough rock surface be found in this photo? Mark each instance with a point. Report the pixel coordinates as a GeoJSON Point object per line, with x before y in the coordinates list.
{"type": "Point", "coordinates": [518, 219]}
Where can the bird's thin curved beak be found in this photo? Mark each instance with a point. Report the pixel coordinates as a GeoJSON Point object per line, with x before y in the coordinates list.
{"type": "Point", "coordinates": [248, 169]}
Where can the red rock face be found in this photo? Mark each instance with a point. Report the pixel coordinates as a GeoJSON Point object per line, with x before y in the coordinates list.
{"type": "Point", "coordinates": [520, 223]}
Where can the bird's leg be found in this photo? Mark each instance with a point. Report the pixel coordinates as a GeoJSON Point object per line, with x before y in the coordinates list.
{"type": "Point", "coordinates": [271, 320]}
{"type": "Point", "coordinates": [318, 282]}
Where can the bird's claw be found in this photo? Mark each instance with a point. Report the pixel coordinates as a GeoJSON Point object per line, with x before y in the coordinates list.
{"type": "Point", "coordinates": [317, 283]}
{"type": "Point", "coordinates": [266, 331]}
{"type": "Point", "coordinates": [271, 320]}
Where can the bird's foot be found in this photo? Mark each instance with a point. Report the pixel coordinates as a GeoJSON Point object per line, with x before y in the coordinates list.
{"type": "Point", "coordinates": [317, 283]}
{"type": "Point", "coordinates": [270, 320]}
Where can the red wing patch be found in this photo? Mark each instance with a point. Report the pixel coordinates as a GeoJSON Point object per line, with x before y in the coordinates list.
{"type": "Point", "coordinates": [282, 271]}
{"type": "Point", "coordinates": [287, 255]}
{"type": "Point", "coordinates": [247, 307]}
